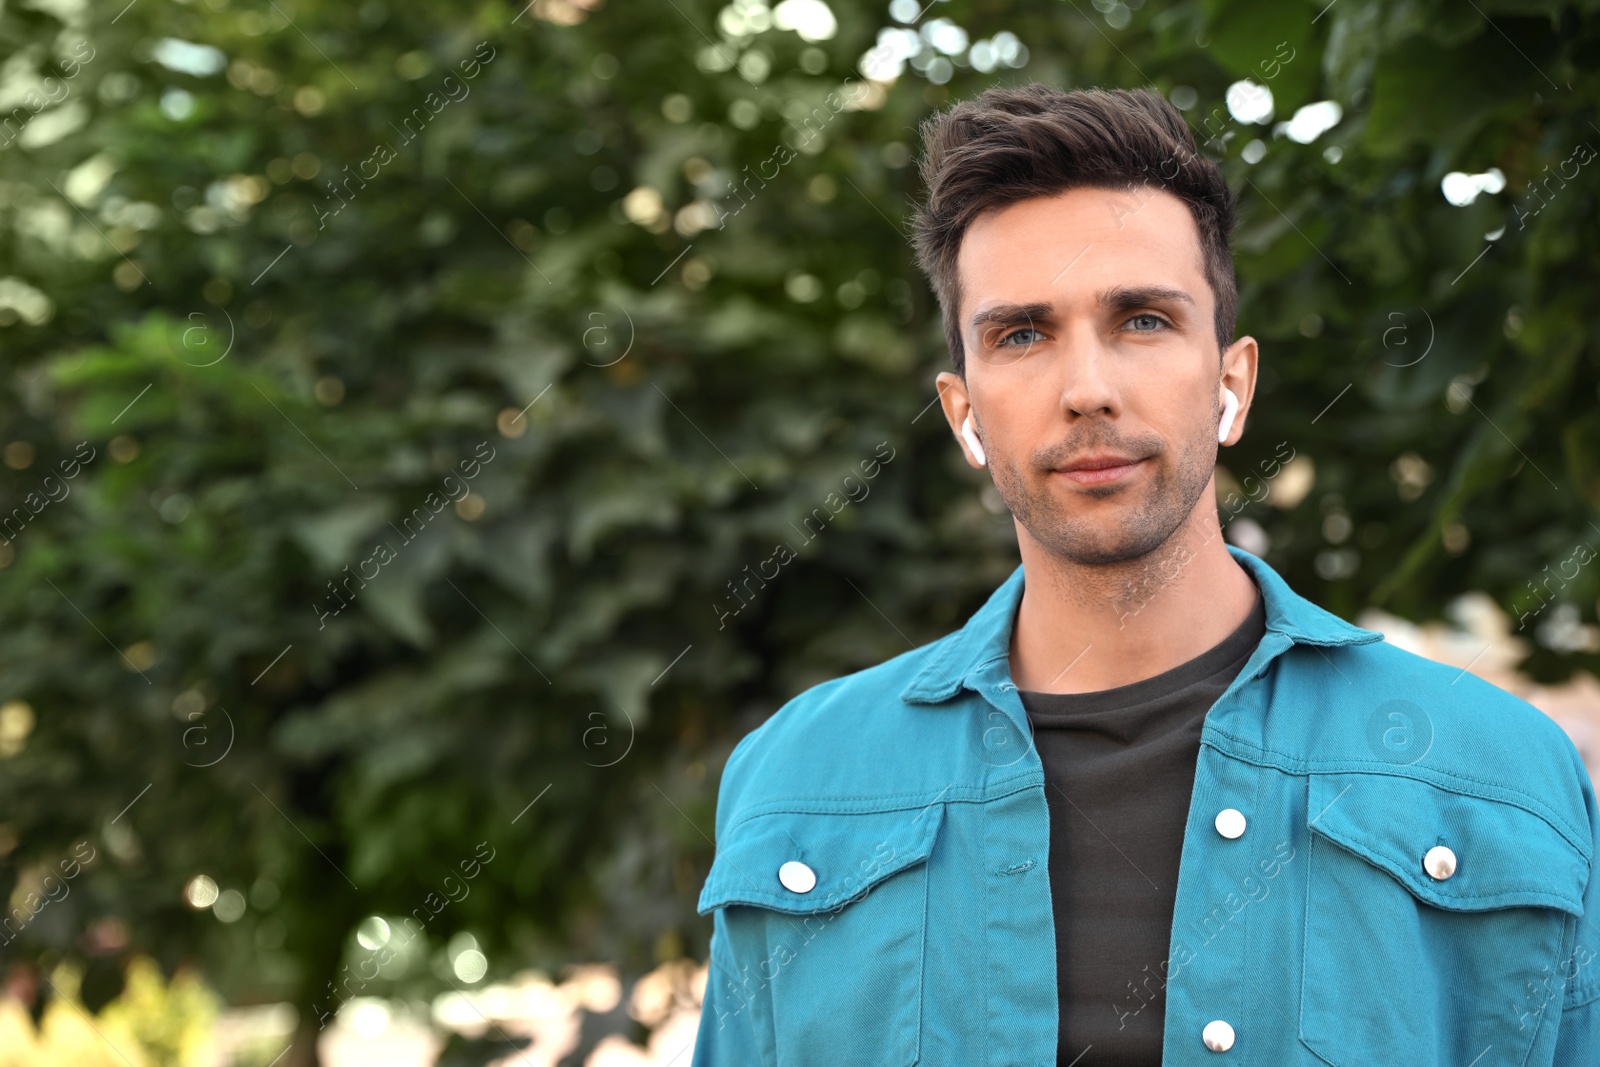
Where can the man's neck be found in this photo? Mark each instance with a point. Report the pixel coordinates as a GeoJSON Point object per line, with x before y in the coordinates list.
{"type": "Point", "coordinates": [1080, 629]}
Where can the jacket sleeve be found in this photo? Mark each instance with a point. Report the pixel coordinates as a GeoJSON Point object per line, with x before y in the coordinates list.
{"type": "Point", "coordinates": [726, 1037]}
{"type": "Point", "coordinates": [1578, 1036]}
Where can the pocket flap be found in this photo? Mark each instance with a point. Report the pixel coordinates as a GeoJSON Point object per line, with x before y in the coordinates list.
{"type": "Point", "coordinates": [1506, 855]}
{"type": "Point", "coordinates": [848, 852]}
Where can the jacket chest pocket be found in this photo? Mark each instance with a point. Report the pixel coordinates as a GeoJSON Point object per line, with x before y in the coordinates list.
{"type": "Point", "coordinates": [826, 915]}
{"type": "Point", "coordinates": [1435, 923]}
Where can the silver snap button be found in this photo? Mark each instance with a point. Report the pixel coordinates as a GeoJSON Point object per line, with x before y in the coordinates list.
{"type": "Point", "coordinates": [1230, 823]}
{"type": "Point", "coordinates": [797, 877]}
{"type": "Point", "coordinates": [1440, 862]}
{"type": "Point", "coordinates": [1217, 1035]}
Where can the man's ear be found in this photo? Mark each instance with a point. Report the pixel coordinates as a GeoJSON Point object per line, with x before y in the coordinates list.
{"type": "Point", "coordinates": [1239, 374]}
{"type": "Point", "coordinates": [957, 407]}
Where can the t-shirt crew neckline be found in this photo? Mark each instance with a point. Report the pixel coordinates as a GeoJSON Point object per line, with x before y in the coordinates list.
{"type": "Point", "coordinates": [1236, 646]}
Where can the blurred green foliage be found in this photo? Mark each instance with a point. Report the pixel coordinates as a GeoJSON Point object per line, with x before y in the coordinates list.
{"type": "Point", "coordinates": [278, 270]}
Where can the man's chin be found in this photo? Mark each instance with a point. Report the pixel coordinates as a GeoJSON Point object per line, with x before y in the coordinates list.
{"type": "Point", "coordinates": [1096, 548]}
{"type": "Point", "coordinates": [1111, 556]}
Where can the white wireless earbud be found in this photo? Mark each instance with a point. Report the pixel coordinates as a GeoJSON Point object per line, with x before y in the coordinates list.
{"type": "Point", "coordinates": [970, 436]}
{"type": "Point", "coordinates": [1230, 408]}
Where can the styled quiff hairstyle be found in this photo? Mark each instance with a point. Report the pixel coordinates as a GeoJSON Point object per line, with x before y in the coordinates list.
{"type": "Point", "coordinates": [1010, 145]}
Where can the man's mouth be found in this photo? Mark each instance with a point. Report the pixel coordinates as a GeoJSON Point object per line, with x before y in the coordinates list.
{"type": "Point", "coordinates": [1099, 468]}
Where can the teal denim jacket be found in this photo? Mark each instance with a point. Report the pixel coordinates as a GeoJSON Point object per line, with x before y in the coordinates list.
{"type": "Point", "coordinates": [1413, 885]}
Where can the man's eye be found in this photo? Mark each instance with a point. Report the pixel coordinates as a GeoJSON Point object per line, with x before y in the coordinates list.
{"type": "Point", "coordinates": [1146, 323]}
{"type": "Point", "coordinates": [1027, 334]}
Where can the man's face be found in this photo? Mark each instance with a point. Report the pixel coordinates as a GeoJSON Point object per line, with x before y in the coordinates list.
{"type": "Point", "coordinates": [1092, 369]}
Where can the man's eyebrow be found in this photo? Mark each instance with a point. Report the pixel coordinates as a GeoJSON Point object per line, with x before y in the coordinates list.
{"type": "Point", "coordinates": [1013, 314]}
{"type": "Point", "coordinates": [1126, 298]}
{"type": "Point", "coordinates": [1117, 298]}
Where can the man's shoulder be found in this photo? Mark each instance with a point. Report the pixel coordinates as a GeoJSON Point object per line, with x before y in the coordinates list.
{"type": "Point", "coordinates": [1454, 691]}
{"type": "Point", "coordinates": [1419, 713]}
{"type": "Point", "coordinates": [838, 739]}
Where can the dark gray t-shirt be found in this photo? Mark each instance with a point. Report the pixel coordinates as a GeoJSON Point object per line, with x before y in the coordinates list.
{"type": "Point", "coordinates": [1119, 769]}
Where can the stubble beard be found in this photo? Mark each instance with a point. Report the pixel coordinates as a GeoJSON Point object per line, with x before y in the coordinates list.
{"type": "Point", "coordinates": [1145, 530]}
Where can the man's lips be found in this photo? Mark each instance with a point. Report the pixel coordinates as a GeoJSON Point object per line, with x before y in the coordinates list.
{"type": "Point", "coordinates": [1095, 470]}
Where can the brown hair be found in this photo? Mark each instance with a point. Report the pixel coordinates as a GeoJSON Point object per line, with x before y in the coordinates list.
{"type": "Point", "coordinates": [1015, 144]}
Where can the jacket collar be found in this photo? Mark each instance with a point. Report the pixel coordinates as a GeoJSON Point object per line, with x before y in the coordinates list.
{"type": "Point", "coordinates": [986, 637]}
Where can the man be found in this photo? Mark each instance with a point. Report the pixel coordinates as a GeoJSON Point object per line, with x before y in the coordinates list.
{"type": "Point", "coordinates": [1148, 806]}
